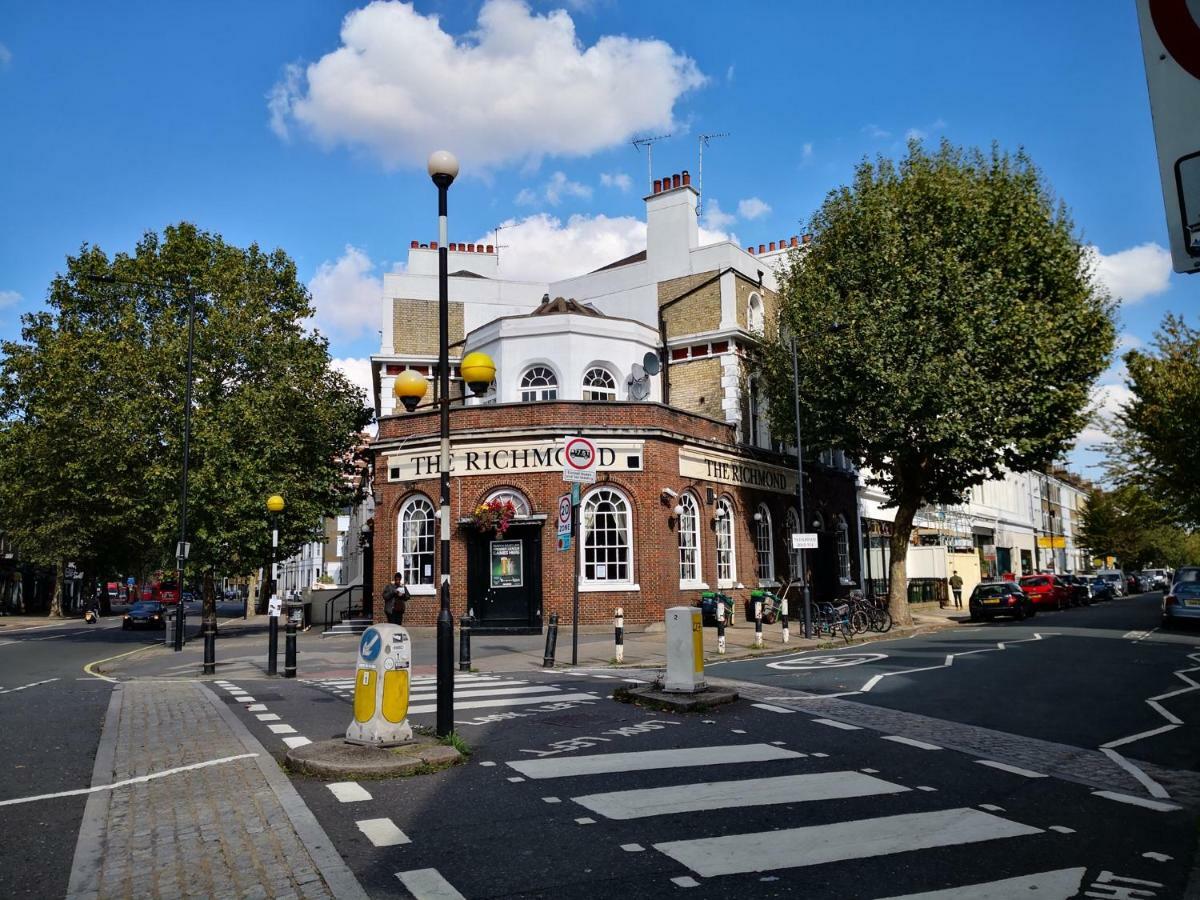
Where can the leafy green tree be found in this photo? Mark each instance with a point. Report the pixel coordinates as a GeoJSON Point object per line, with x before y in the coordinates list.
{"type": "Point", "coordinates": [268, 413]}
{"type": "Point", "coordinates": [1126, 522]}
{"type": "Point", "coordinates": [947, 328]}
{"type": "Point", "coordinates": [1155, 442]}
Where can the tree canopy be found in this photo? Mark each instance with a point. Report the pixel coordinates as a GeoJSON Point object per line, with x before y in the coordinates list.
{"type": "Point", "coordinates": [1126, 522]}
{"type": "Point", "coordinates": [947, 328]}
{"type": "Point", "coordinates": [92, 398]}
{"type": "Point", "coordinates": [1155, 444]}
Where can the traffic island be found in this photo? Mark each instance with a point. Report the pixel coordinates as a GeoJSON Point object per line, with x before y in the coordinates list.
{"type": "Point", "coordinates": [654, 696]}
{"type": "Point", "coordinates": [339, 759]}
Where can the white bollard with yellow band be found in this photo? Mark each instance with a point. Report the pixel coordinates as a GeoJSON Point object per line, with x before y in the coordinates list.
{"type": "Point", "coordinates": [685, 650]}
{"type": "Point", "coordinates": [381, 684]}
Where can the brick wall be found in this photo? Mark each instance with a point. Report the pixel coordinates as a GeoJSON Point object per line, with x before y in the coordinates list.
{"type": "Point", "coordinates": [654, 558]}
{"type": "Point", "coordinates": [696, 386]}
{"type": "Point", "coordinates": [697, 313]}
{"type": "Point", "coordinates": [415, 326]}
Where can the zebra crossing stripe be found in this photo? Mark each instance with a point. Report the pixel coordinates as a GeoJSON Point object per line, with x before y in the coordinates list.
{"type": "Point", "coordinates": [486, 692]}
{"type": "Point", "coordinates": [428, 884]}
{"type": "Point", "coordinates": [1059, 884]}
{"type": "Point", "coordinates": [636, 804]}
{"type": "Point", "coordinates": [837, 841]}
{"type": "Point", "coordinates": [638, 761]}
{"type": "Point", "coordinates": [503, 701]}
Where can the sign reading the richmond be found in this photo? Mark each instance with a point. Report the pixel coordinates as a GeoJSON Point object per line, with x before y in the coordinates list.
{"type": "Point", "coordinates": [726, 469]}
{"type": "Point", "coordinates": [493, 458]}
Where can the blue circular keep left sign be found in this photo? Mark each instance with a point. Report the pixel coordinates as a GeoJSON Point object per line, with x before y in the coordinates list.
{"type": "Point", "coordinates": [370, 645]}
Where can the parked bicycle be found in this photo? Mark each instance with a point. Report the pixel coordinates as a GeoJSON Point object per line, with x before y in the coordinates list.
{"type": "Point", "coordinates": [874, 612]}
{"type": "Point", "coordinates": [830, 619]}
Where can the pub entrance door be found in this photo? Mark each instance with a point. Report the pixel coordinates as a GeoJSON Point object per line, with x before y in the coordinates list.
{"type": "Point", "coordinates": [504, 579]}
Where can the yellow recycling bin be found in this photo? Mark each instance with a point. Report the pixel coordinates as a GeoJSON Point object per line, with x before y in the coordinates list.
{"type": "Point", "coordinates": [381, 684]}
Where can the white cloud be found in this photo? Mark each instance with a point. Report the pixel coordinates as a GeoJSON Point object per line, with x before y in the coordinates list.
{"type": "Point", "coordinates": [915, 134]}
{"type": "Point", "coordinates": [1107, 400]}
{"type": "Point", "coordinates": [874, 131]}
{"type": "Point", "coordinates": [358, 370]}
{"type": "Point", "coordinates": [5, 57]}
{"type": "Point", "coordinates": [806, 151]}
{"type": "Point", "coordinates": [1133, 274]}
{"type": "Point", "coordinates": [619, 180]}
{"type": "Point", "coordinates": [347, 296]}
{"type": "Point", "coordinates": [544, 248]}
{"type": "Point", "coordinates": [519, 86]}
{"type": "Point", "coordinates": [526, 197]}
{"type": "Point", "coordinates": [9, 298]}
{"type": "Point", "coordinates": [715, 217]}
{"type": "Point", "coordinates": [752, 208]}
{"type": "Point", "coordinates": [729, 73]}
{"type": "Point", "coordinates": [553, 191]}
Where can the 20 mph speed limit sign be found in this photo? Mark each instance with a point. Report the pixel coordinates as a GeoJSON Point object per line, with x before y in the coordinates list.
{"type": "Point", "coordinates": [579, 460]}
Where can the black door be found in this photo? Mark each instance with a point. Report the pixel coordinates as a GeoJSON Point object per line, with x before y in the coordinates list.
{"type": "Point", "coordinates": [504, 579]}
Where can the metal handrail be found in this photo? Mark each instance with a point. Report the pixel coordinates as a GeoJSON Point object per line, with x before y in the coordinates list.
{"type": "Point", "coordinates": [348, 593]}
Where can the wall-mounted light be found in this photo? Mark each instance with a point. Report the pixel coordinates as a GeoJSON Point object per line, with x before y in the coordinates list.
{"type": "Point", "coordinates": [757, 516]}
{"type": "Point", "coordinates": [678, 510]}
{"type": "Point", "coordinates": [719, 513]}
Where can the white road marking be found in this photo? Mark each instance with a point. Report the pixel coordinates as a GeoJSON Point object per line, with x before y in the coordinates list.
{"type": "Point", "coordinates": [487, 763]}
{"type": "Point", "coordinates": [551, 800]}
{"type": "Point", "coordinates": [991, 807]}
{"type": "Point", "coordinates": [414, 696]}
{"type": "Point", "coordinates": [686, 798]}
{"type": "Point", "coordinates": [245, 698]}
{"type": "Point", "coordinates": [738, 730]}
{"type": "Point", "coordinates": [141, 779]}
{"type": "Point", "coordinates": [267, 717]}
{"type": "Point", "coordinates": [297, 741]}
{"type": "Point", "coordinates": [636, 761]}
{"type": "Point", "coordinates": [585, 820]}
{"type": "Point", "coordinates": [1121, 742]}
{"type": "Point", "coordinates": [428, 884]}
{"type": "Point", "coordinates": [1061, 829]}
{"type": "Point", "coordinates": [503, 701]}
{"type": "Point", "coordinates": [1059, 884]}
{"type": "Point", "coordinates": [775, 709]}
{"type": "Point", "coordinates": [27, 686]}
{"type": "Point", "coordinates": [685, 881]}
{"type": "Point", "coordinates": [257, 707]}
{"type": "Point", "coordinates": [926, 788]}
{"type": "Point", "coordinates": [1005, 767]}
{"type": "Point", "coordinates": [910, 742]}
{"type": "Point", "coordinates": [382, 832]}
{"type": "Point", "coordinates": [834, 842]}
{"type": "Point", "coordinates": [282, 729]}
{"type": "Point", "coordinates": [632, 848]}
{"type": "Point", "coordinates": [516, 779]}
{"type": "Point", "coordinates": [1155, 789]}
{"type": "Point", "coordinates": [1000, 645]}
{"type": "Point", "coordinates": [833, 723]}
{"type": "Point", "coordinates": [1157, 857]}
{"type": "Point", "coordinates": [348, 791]}
{"type": "Point", "coordinates": [1156, 805]}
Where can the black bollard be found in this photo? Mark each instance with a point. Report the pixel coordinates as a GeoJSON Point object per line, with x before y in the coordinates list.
{"type": "Point", "coordinates": [210, 647]}
{"type": "Point", "coordinates": [619, 636]}
{"type": "Point", "coordinates": [551, 642]}
{"type": "Point", "coordinates": [721, 627]}
{"type": "Point", "coordinates": [464, 643]}
{"type": "Point", "coordinates": [273, 646]}
{"type": "Point", "coordinates": [783, 611]}
{"type": "Point", "coordinates": [289, 650]}
{"type": "Point", "coordinates": [758, 637]}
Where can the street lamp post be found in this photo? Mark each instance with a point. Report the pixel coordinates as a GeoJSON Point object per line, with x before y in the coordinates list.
{"type": "Point", "coordinates": [275, 505]}
{"type": "Point", "coordinates": [800, 489]}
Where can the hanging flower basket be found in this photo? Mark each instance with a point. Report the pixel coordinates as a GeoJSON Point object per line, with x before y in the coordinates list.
{"type": "Point", "coordinates": [494, 516]}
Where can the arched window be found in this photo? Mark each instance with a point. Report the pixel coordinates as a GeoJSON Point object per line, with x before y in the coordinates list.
{"type": "Point", "coordinates": [515, 497]}
{"type": "Point", "coordinates": [606, 537]}
{"type": "Point", "coordinates": [418, 535]}
{"type": "Point", "coordinates": [599, 384]}
{"type": "Point", "coordinates": [539, 383]}
{"type": "Point", "coordinates": [760, 428]}
{"type": "Point", "coordinates": [843, 550]}
{"type": "Point", "coordinates": [726, 556]}
{"type": "Point", "coordinates": [754, 314]}
{"type": "Point", "coordinates": [764, 549]}
{"type": "Point", "coordinates": [689, 541]}
{"type": "Point", "coordinates": [793, 527]}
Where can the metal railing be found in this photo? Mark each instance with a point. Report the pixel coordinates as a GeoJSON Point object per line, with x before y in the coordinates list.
{"type": "Point", "coordinates": [345, 597]}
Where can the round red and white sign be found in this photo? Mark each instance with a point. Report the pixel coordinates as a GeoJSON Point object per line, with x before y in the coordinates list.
{"type": "Point", "coordinates": [580, 455]}
{"type": "Point", "coordinates": [564, 509]}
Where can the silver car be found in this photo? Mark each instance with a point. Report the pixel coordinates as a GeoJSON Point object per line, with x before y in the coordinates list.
{"type": "Point", "coordinates": [1182, 603]}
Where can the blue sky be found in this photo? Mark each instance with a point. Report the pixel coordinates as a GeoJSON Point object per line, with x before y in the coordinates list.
{"type": "Point", "coordinates": [305, 124]}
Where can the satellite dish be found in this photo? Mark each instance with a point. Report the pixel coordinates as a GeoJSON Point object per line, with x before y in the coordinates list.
{"type": "Point", "coordinates": [651, 363]}
{"type": "Point", "coordinates": [638, 373]}
{"type": "Point", "coordinates": [639, 388]}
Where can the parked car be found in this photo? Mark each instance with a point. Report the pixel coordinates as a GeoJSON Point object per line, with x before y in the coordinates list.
{"type": "Point", "coordinates": [1098, 588]}
{"type": "Point", "coordinates": [1160, 579]}
{"type": "Point", "coordinates": [1080, 595]}
{"type": "Point", "coordinates": [1181, 604]}
{"type": "Point", "coordinates": [1116, 578]}
{"type": "Point", "coordinates": [999, 598]}
{"type": "Point", "coordinates": [144, 614]}
{"type": "Point", "coordinates": [1046, 590]}
{"type": "Point", "coordinates": [1185, 574]}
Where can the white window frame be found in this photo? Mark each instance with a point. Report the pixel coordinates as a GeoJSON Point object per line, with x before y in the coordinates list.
{"type": "Point", "coordinates": [539, 382]}
{"type": "Point", "coordinates": [411, 563]}
{"type": "Point", "coordinates": [755, 314]}
{"type": "Point", "coordinates": [619, 541]}
{"type": "Point", "coordinates": [726, 545]}
{"type": "Point", "coordinates": [598, 380]}
{"type": "Point", "coordinates": [764, 547]}
{"type": "Point", "coordinates": [690, 566]}
{"type": "Point", "coordinates": [519, 500]}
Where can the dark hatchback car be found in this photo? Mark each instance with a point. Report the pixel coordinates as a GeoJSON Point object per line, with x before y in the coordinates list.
{"type": "Point", "coordinates": [144, 614]}
{"type": "Point", "coordinates": [1078, 586]}
{"type": "Point", "coordinates": [999, 598]}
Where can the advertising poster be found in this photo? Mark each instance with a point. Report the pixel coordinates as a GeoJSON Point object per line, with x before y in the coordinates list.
{"type": "Point", "coordinates": [507, 564]}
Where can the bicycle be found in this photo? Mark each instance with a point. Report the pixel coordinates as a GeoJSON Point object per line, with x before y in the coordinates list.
{"type": "Point", "coordinates": [878, 618]}
{"type": "Point", "coordinates": [833, 619]}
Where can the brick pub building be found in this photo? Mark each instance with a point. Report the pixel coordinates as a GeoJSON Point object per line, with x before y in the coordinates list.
{"type": "Point", "coordinates": [692, 493]}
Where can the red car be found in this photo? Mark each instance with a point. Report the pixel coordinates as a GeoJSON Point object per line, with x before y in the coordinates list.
{"type": "Point", "coordinates": [1047, 591]}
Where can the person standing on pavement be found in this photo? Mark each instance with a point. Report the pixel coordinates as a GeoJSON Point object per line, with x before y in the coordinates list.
{"type": "Point", "coordinates": [395, 599]}
{"type": "Point", "coordinates": [956, 584]}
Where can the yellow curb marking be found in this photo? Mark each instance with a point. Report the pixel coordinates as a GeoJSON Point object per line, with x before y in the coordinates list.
{"type": "Point", "coordinates": [94, 674]}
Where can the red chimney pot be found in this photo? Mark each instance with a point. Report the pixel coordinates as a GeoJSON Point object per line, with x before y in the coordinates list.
{"type": "Point", "coordinates": [793, 240]}
{"type": "Point", "coordinates": [675, 182]}
{"type": "Point", "coordinates": [658, 185]}
{"type": "Point", "coordinates": [687, 179]}
{"type": "Point", "coordinates": [750, 249]}
{"type": "Point", "coordinates": [807, 239]}
{"type": "Point", "coordinates": [491, 249]}
{"type": "Point", "coordinates": [414, 245]}
{"type": "Point", "coordinates": [771, 247]}
{"type": "Point", "coordinates": [433, 245]}
{"type": "Point", "coordinates": [762, 248]}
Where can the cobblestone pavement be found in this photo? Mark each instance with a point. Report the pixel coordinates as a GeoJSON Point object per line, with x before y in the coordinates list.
{"type": "Point", "coordinates": [230, 829]}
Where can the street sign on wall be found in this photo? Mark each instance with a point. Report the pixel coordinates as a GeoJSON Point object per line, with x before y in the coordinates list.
{"type": "Point", "coordinates": [1171, 49]}
{"type": "Point", "coordinates": [564, 514]}
{"type": "Point", "coordinates": [579, 460]}
{"type": "Point", "coordinates": [804, 541]}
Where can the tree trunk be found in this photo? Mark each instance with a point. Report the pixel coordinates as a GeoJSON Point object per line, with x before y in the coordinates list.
{"type": "Point", "coordinates": [906, 511]}
{"type": "Point", "coordinates": [56, 598]}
